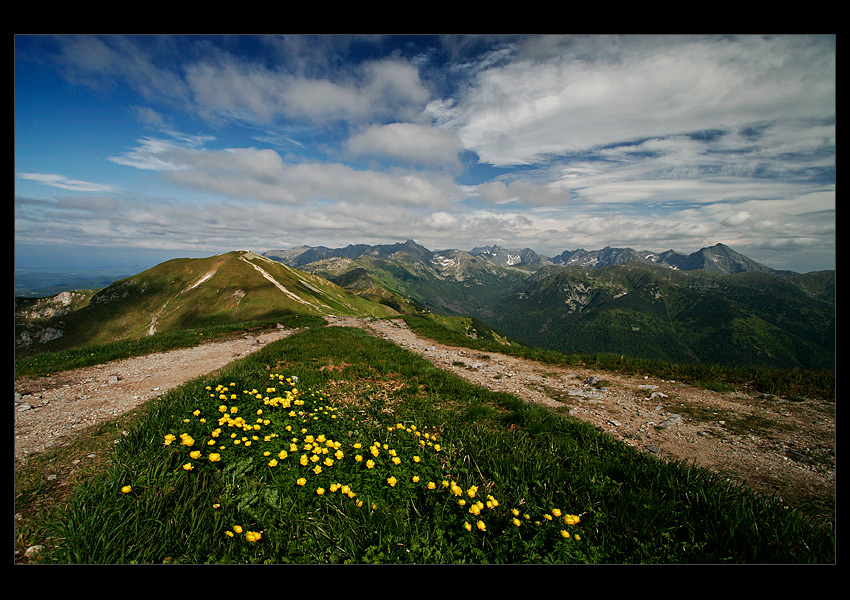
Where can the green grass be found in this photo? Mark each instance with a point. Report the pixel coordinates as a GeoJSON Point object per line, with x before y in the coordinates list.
{"type": "Point", "coordinates": [44, 363]}
{"type": "Point", "coordinates": [356, 389]}
{"type": "Point", "coordinates": [790, 383]}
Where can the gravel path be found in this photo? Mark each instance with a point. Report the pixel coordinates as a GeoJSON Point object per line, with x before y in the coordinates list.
{"type": "Point", "coordinates": [50, 411]}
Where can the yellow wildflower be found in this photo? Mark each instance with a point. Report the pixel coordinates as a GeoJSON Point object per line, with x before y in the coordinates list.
{"type": "Point", "coordinates": [253, 536]}
{"type": "Point", "coordinates": [126, 489]}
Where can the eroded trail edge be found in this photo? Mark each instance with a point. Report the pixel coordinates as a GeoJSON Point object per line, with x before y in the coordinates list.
{"type": "Point", "coordinates": [774, 445]}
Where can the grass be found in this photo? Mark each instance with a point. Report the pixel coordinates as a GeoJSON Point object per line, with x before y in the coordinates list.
{"type": "Point", "coordinates": [45, 363]}
{"type": "Point", "coordinates": [790, 383]}
{"type": "Point", "coordinates": [512, 482]}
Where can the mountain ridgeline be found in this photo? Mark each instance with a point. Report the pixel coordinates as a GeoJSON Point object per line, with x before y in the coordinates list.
{"type": "Point", "coordinates": [712, 306]}
{"type": "Point", "coordinates": [184, 293]}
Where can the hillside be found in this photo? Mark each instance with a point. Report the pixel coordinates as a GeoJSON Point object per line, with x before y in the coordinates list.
{"type": "Point", "coordinates": [714, 305]}
{"type": "Point", "coordinates": [731, 310]}
{"type": "Point", "coordinates": [188, 293]}
{"type": "Point", "coordinates": [449, 282]}
{"type": "Point", "coordinates": [651, 312]}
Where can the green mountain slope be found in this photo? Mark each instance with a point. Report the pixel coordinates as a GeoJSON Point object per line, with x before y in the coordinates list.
{"type": "Point", "coordinates": [724, 308]}
{"type": "Point", "coordinates": [654, 312]}
{"type": "Point", "coordinates": [186, 293]}
{"type": "Point", "coordinates": [452, 282]}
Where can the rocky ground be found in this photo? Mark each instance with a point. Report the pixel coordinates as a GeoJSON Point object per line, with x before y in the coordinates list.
{"type": "Point", "coordinates": [775, 445]}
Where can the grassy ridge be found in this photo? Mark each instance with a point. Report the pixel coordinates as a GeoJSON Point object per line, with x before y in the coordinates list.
{"type": "Point", "coordinates": [791, 383]}
{"type": "Point", "coordinates": [40, 364]}
{"type": "Point", "coordinates": [632, 507]}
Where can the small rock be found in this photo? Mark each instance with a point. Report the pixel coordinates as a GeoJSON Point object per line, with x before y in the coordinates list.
{"type": "Point", "coordinates": [672, 419]}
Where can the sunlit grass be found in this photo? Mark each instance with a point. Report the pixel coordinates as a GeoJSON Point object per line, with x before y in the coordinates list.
{"type": "Point", "coordinates": [331, 446]}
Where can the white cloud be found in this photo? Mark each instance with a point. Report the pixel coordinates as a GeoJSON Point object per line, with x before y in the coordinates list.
{"type": "Point", "coordinates": [312, 182]}
{"type": "Point", "coordinates": [523, 192]}
{"type": "Point", "coordinates": [232, 89]}
{"type": "Point", "coordinates": [62, 182]}
{"type": "Point", "coordinates": [516, 112]}
{"type": "Point", "coordinates": [407, 143]}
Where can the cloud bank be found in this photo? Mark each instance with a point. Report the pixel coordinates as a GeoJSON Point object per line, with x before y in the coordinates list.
{"type": "Point", "coordinates": [547, 142]}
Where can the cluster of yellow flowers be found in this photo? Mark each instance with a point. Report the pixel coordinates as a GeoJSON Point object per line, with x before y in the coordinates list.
{"type": "Point", "coordinates": [556, 513]}
{"type": "Point", "coordinates": [307, 455]}
{"type": "Point", "coordinates": [250, 536]}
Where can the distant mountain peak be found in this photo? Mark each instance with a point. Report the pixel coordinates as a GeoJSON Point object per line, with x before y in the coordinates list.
{"type": "Point", "coordinates": [718, 258]}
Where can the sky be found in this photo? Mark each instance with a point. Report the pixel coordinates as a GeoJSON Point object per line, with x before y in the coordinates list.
{"type": "Point", "coordinates": [143, 148]}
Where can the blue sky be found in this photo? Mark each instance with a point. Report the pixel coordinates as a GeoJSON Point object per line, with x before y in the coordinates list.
{"type": "Point", "coordinates": [135, 148]}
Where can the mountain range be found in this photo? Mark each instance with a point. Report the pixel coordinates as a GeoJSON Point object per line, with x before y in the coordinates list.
{"type": "Point", "coordinates": [715, 259]}
{"type": "Point", "coordinates": [714, 305]}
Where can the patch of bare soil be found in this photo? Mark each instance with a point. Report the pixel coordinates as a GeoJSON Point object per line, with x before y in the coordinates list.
{"type": "Point", "coordinates": [773, 444]}
{"type": "Point", "coordinates": [51, 411]}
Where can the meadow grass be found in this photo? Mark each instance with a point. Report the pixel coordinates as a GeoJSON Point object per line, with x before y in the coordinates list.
{"type": "Point", "coordinates": [332, 446]}
{"type": "Point", "coordinates": [30, 362]}
{"type": "Point", "coordinates": [795, 384]}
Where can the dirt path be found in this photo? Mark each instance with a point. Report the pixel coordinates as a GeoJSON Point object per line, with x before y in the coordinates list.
{"type": "Point", "coordinates": [773, 444]}
{"type": "Point", "coordinates": [50, 411]}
